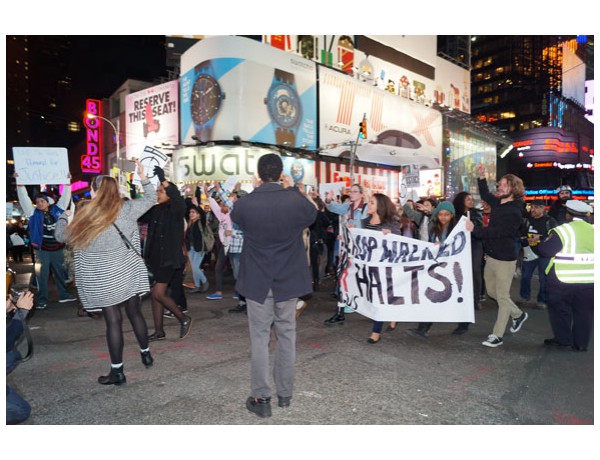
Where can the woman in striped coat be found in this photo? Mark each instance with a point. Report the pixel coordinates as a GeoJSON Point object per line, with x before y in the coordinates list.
{"type": "Point", "coordinates": [108, 274]}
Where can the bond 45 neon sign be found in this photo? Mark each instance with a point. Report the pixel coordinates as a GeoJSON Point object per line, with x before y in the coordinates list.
{"type": "Point", "coordinates": [91, 162]}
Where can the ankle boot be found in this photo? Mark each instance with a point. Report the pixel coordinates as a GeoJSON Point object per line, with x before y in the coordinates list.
{"type": "Point", "coordinates": [147, 359]}
{"type": "Point", "coordinates": [115, 377]}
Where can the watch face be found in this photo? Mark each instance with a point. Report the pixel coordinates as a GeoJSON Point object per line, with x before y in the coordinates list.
{"type": "Point", "coordinates": [206, 99]}
{"type": "Point", "coordinates": [284, 105]}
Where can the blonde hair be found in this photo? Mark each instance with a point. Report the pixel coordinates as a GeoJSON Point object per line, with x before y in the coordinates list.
{"type": "Point", "coordinates": [96, 216]}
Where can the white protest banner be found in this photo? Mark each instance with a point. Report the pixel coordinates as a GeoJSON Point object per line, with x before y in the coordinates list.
{"type": "Point", "coordinates": [41, 165]}
{"type": "Point", "coordinates": [394, 278]}
{"type": "Point", "coordinates": [335, 187]}
{"type": "Point", "coordinates": [150, 158]}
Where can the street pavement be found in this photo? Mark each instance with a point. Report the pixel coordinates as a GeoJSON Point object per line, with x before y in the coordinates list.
{"type": "Point", "coordinates": [341, 380]}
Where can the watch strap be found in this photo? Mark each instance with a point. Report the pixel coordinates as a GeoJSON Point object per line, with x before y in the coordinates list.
{"type": "Point", "coordinates": [285, 77]}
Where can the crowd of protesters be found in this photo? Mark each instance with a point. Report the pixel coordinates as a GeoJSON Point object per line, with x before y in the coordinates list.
{"type": "Point", "coordinates": [280, 243]}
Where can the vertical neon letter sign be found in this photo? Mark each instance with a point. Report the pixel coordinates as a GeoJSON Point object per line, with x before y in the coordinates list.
{"type": "Point", "coordinates": [91, 162]}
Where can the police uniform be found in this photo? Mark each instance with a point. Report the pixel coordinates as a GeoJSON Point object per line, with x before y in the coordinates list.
{"type": "Point", "coordinates": [571, 278]}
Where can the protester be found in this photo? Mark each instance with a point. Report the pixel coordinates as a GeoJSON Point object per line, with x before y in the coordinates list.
{"type": "Point", "coordinates": [538, 224]}
{"type": "Point", "coordinates": [17, 238]}
{"type": "Point", "coordinates": [164, 255]}
{"type": "Point", "coordinates": [352, 212]}
{"type": "Point", "coordinates": [273, 273]}
{"type": "Point", "coordinates": [443, 221]}
{"type": "Point", "coordinates": [223, 216]}
{"type": "Point", "coordinates": [420, 213]}
{"type": "Point", "coordinates": [499, 245]}
{"type": "Point", "coordinates": [17, 408]}
{"type": "Point", "coordinates": [109, 273]}
{"type": "Point", "coordinates": [465, 206]}
{"type": "Point", "coordinates": [558, 210]}
{"type": "Point", "coordinates": [48, 251]}
{"type": "Point", "coordinates": [237, 240]}
{"type": "Point", "coordinates": [571, 278]}
{"type": "Point", "coordinates": [381, 216]}
{"type": "Point", "coordinates": [196, 247]}
{"type": "Point", "coordinates": [317, 242]}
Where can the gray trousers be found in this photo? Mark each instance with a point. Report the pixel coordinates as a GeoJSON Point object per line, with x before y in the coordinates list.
{"type": "Point", "coordinates": [282, 317]}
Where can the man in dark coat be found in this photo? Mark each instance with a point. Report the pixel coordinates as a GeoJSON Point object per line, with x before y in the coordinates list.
{"type": "Point", "coordinates": [274, 272]}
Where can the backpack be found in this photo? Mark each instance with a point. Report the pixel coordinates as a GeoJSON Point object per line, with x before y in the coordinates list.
{"type": "Point", "coordinates": [208, 237]}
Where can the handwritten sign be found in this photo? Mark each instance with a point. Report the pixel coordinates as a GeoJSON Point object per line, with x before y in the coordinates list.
{"type": "Point", "coordinates": [394, 278]}
{"type": "Point", "coordinates": [41, 165]}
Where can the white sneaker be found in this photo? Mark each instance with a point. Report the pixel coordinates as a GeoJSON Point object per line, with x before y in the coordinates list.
{"type": "Point", "coordinates": [348, 310]}
{"type": "Point", "coordinates": [493, 341]}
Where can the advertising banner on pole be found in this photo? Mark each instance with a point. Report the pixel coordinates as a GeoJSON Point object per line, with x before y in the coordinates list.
{"type": "Point", "coordinates": [395, 278]}
{"type": "Point", "coordinates": [152, 118]}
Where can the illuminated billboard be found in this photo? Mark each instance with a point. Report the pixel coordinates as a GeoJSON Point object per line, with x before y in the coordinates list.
{"type": "Point", "coordinates": [236, 87]}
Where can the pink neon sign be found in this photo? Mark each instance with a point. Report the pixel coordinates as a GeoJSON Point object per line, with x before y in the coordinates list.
{"type": "Point", "coordinates": [91, 162]}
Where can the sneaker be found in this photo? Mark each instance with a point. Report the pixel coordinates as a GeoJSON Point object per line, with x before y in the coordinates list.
{"type": "Point", "coordinates": [196, 290]}
{"type": "Point", "coordinates": [235, 296]}
{"type": "Point", "coordinates": [204, 287]}
{"type": "Point", "coordinates": [493, 341]}
{"type": "Point", "coordinates": [168, 314]}
{"type": "Point", "coordinates": [41, 306]}
{"type": "Point", "coordinates": [348, 310]}
{"type": "Point", "coordinates": [214, 296]}
{"type": "Point", "coordinates": [416, 332]}
{"type": "Point", "coordinates": [190, 285]}
{"type": "Point", "coordinates": [68, 299]}
{"type": "Point", "coordinates": [517, 323]}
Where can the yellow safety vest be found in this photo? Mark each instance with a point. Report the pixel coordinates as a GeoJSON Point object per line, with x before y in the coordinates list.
{"type": "Point", "coordinates": [574, 264]}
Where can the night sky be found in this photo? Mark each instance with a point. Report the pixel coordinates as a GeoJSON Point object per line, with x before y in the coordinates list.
{"type": "Point", "coordinates": [100, 64]}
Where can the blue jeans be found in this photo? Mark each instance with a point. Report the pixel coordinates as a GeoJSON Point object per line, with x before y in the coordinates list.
{"type": "Point", "coordinates": [234, 260]}
{"type": "Point", "coordinates": [196, 258]}
{"type": "Point", "coordinates": [17, 409]}
{"type": "Point", "coordinates": [47, 261]}
{"type": "Point", "coordinates": [527, 269]}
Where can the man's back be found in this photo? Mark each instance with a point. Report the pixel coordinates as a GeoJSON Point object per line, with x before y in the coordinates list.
{"type": "Point", "coordinates": [273, 256]}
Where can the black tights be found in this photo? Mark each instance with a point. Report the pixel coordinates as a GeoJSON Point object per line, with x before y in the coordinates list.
{"type": "Point", "coordinates": [114, 331]}
{"type": "Point", "coordinates": [160, 300]}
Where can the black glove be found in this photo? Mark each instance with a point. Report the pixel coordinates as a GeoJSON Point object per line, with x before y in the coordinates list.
{"type": "Point", "coordinates": [160, 173]}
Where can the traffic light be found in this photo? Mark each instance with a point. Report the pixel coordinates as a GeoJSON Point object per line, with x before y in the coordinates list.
{"type": "Point", "coordinates": [363, 129]}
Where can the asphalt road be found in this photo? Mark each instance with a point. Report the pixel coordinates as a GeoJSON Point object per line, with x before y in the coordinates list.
{"type": "Point", "coordinates": [384, 395]}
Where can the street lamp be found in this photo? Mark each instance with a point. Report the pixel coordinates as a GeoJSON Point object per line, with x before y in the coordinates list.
{"type": "Point", "coordinates": [116, 129]}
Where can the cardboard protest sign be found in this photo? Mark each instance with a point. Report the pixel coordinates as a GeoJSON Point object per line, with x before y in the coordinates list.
{"type": "Point", "coordinates": [41, 165]}
{"type": "Point", "coordinates": [150, 158]}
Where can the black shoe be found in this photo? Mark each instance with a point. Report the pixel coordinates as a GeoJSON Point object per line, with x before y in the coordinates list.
{"type": "Point", "coordinates": [147, 358]}
{"type": "Point", "coordinates": [168, 314]}
{"type": "Point", "coordinates": [578, 348]}
{"type": "Point", "coordinates": [553, 343]}
{"type": "Point", "coordinates": [259, 406]}
{"type": "Point", "coordinates": [185, 328]}
{"type": "Point", "coordinates": [115, 377]}
{"type": "Point", "coordinates": [370, 340]}
{"type": "Point", "coordinates": [239, 309]}
{"type": "Point", "coordinates": [338, 318]}
{"type": "Point", "coordinates": [420, 333]}
{"type": "Point", "coordinates": [460, 330]}
{"type": "Point", "coordinates": [284, 401]}
{"type": "Point", "coordinates": [156, 336]}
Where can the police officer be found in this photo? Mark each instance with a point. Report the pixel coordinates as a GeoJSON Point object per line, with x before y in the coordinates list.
{"type": "Point", "coordinates": [559, 210]}
{"type": "Point", "coordinates": [571, 278]}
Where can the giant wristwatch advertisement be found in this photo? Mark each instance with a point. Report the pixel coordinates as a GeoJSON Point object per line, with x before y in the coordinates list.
{"type": "Point", "coordinates": [233, 87]}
